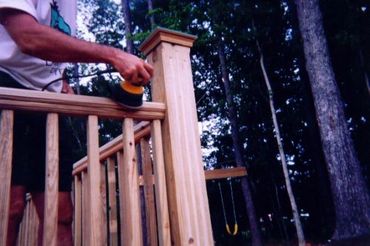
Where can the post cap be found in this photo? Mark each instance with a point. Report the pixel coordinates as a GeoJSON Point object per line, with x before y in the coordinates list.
{"type": "Point", "coordinates": [161, 34]}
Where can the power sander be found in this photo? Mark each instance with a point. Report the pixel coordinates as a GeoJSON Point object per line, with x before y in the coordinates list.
{"type": "Point", "coordinates": [128, 94]}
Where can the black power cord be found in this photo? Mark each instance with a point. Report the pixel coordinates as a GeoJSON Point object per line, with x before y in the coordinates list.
{"type": "Point", "coordinates": [78, 76]}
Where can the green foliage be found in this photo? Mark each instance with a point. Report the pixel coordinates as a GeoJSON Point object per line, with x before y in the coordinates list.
{"type": "Point", "coordinates": [141, 36]}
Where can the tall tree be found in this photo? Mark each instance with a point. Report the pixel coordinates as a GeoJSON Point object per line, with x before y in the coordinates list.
{"type": "Point", "coordinates": [151, 16]}
{"type": "Point", "coordinates": [293, 204]}
{"type": "Point", "coordinates": [128, 28]}
{"type": "Point", "coordinates": [350, 193]}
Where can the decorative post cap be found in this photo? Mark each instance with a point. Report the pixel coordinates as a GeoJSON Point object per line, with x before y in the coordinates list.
{"type": "Point", "coordinates": [161, 34]}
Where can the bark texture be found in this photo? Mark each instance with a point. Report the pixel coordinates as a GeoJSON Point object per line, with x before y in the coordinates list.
{"type": "Point", "coordinates": [350, 194]}
{"type": "Point", "coordinates": [128, 28]}
{"type": "Point", "coordinates": [251, 211]}
{"type": "Point", "coordinates": [151, 17]}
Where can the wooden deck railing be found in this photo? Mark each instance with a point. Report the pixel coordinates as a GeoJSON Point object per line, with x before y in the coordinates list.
{"type": "Point", "coordinates": [146, 153]}
{"type": "Point", "coordinates": [170, 159]}
{"type": "Point", "coordinates": [53, 104]}
{"type": "Point", "coordinates": [110, 156]}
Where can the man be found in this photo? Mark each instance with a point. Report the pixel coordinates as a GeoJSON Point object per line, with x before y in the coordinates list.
{"type": "Point", "coordinates": [35, 40]}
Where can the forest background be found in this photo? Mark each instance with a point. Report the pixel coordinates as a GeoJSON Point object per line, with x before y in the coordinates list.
{"type": "Point", "coordinates": [233, 102]}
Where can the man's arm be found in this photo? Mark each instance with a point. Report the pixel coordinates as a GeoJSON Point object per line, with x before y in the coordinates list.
{"type": "Point", "coordinates": [46, 43]}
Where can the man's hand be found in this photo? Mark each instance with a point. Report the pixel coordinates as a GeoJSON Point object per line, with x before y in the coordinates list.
{"type": "Point", "coordinates": [132, 68]}
{"type": "Point", "coordinates": [66, 88]}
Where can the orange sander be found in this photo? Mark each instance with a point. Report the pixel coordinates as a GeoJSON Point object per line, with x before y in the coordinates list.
{"type": "Point", "coordinates": [128, 95]}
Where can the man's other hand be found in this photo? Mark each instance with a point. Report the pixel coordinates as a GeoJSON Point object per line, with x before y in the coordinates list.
{"type": "Point", "coordinates": [66, 88]}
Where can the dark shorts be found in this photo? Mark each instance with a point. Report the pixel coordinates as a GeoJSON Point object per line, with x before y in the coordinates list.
{"type": "Point", "coordinates": [29, 147]}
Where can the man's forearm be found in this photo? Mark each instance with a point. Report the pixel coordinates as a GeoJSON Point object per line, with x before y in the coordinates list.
{"type": "Point", "coordinates": [52, 45]}
{"type": "Point", "coordinates": [49, 44]}
{"type": "Point", "coordinates": [46, 43]}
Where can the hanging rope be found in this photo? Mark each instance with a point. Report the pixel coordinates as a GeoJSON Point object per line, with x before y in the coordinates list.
{"type": "Point", "coordinates": [234, 210]}
{"type": "Point", "coordinates": [235, 231]}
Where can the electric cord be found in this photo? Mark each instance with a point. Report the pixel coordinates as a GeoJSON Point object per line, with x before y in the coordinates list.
{"type": "Point", "coordinates": [78, 76]}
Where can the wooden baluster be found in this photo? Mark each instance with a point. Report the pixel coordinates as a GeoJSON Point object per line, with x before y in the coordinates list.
{"type": "Point", "coordinates": [33, 226]}
{"type": "Point", "coordinates": [151, 222]}
{"type": "Point", "coordinates": [29, 226]}
{"type": "Point", "coordinates": [21, 232]}
{"type": "Point", "coordinates": [51, 181]}
{"type": "Point", "coordinates": [113, 227]}
{"type": "Point", "coordinates": [23, 225]}
{"type": "Point", "coordinates": [119, 156]}
{"type": "Point", "coordinates": [24, 234]}
{"type": "Point", "coordinates": [77, 211]}
{"type": "Point", "coordinates": [85, 208]}
{"type": "Point", "coordinates": [103, 192]}
{"type": "Point", "coordinates": [6, 149]}
{"type": "Point", "coordinates": [27, 220]}
{"type": "Point", "coordinates": [131, 232]}
{"type": "Point", "coordinates": [95, 234]}
{"type": "Point", "coordinates": [160, 186]}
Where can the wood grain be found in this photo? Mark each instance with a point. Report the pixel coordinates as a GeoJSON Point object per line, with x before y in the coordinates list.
{"type": "Point", "coordinates": [149, 199]}
{"type": "Point", "coordinates": [6, 150]}
{"type": "Point", "coordinates": [164, 233]}
{"type": "Point", "coordinates": [95, 201]}
{"type": "Point", "coordinates": [77, 211]}
{"type": "Point", "coordinates": [85, 202]}
{"type": "Point", "coordinates": [112, 214]}
{"type": "Point", "coordinates": [234, 172]}
{"type": "Point", "coordinates": [75, 105]}
{"type": "Point", "coordinates": [161, 34]}
{"type": "Point", "coordinates": [188, 201]}
{"type": "Point", "coordinates": [140, 130]}
{"type": "Point", "coordinates": [104, 201]}
{"type": "Point", "coordinates": [131, 228]}
{"type": "Point", "coordinates": [51, 181]}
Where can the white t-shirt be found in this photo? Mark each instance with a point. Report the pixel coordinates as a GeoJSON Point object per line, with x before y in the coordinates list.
{"type": "Point", "coordinates": [32, 72]}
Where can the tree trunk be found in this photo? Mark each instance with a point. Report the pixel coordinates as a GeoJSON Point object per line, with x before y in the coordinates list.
{"type": "Point", "coordinates": [151, 17]}
{"type": "Point", "coordinates": [128, 28]}
{"type": "Point", "coordinates": [281, 224]}
{"type": "Point", "coordinates": [293, 204]}
{"type": "Point", "coordinates": [350, 194]}
{"type": "Point", "coordinates": [253, 221]}
{"type": "Point", "coordinates": [363, 68]}
{"type": "Point", "coordinates": [76, 80]}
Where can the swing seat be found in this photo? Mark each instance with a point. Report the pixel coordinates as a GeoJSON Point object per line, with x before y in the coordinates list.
{"type": "Point", "coordinates": [235, 231]}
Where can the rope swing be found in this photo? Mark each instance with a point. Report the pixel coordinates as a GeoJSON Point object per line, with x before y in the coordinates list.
{"type": "Point", "coordinates": [235, 231]}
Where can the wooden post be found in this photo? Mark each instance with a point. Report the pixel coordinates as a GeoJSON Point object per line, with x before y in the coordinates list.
{"type": "Point", "coordinates": [6, 150]}
{"type": "Point", "coordinates": [168, 51]}
{"type": "Point", "coordinates": [95, 234]}
{"type": "Point", "coordinates": [51, 181]}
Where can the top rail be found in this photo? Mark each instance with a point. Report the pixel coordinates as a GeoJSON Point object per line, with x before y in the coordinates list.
{"type": "Point", "coordinates": [19, 99]}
